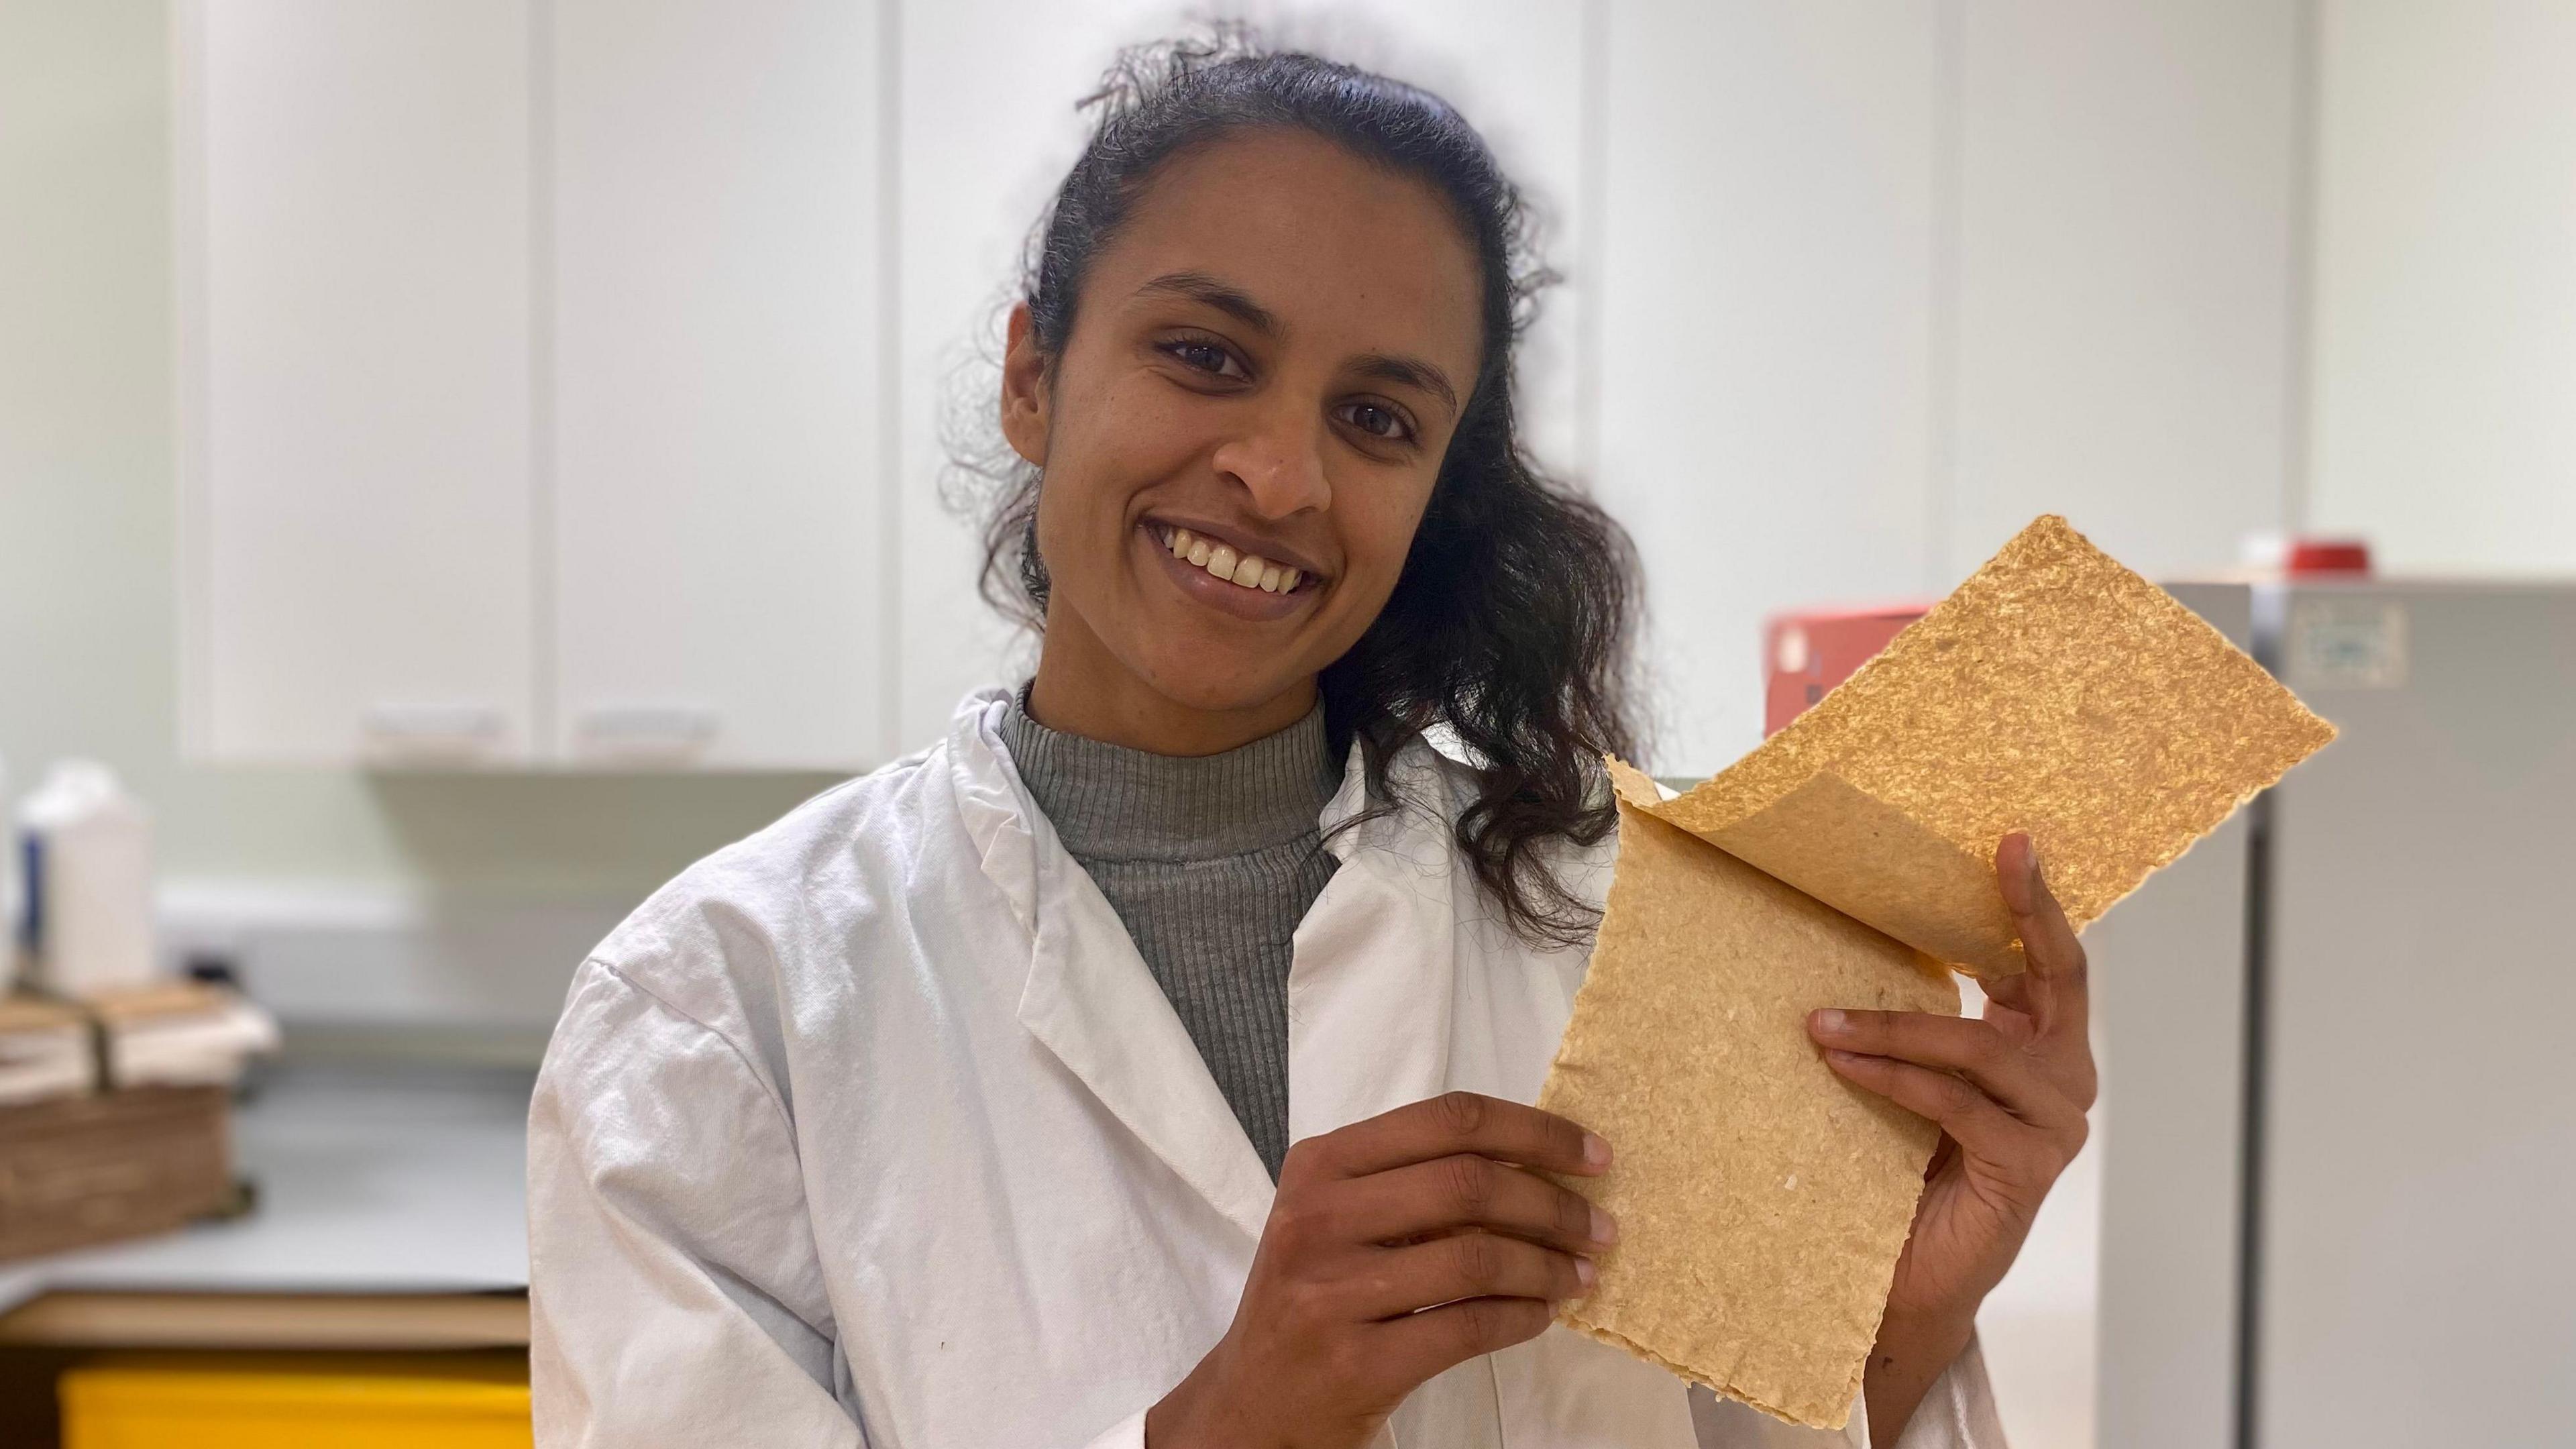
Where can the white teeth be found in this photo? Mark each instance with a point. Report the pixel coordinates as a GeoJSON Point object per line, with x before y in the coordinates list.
{"type": "Point", "coordinates": [1246, 570]}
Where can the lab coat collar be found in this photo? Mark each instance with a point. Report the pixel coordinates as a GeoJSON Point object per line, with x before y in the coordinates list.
{"type": "Point", "coordinates": [1370, 991]}
{"type": "Point", "coordinates": [1089, 996]}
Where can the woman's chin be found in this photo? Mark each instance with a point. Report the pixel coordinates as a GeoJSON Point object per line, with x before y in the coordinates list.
{"type": "Point", "coordinates": [1224, 681]}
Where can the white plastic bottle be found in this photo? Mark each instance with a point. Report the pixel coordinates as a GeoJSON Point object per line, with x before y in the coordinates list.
{"type": "Point", "coordinates": [89, 882]}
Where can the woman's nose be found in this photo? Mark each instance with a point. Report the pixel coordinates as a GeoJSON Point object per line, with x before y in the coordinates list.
{"type": "Point", "coordinates": [1281, 464]}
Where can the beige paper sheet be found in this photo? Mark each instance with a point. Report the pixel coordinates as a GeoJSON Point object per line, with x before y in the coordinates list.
{"type": "Point", "coordinates": [2054, 692]}
{"type": "Point", "coordinates": [1762, 1201]}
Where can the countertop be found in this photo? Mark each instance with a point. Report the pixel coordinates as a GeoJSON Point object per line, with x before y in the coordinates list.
{"type": "Point", "coordinates": [407, 1180]}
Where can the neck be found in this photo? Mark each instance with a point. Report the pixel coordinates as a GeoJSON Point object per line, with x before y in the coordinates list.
{"type": "Point", "coordinates": [1083, 689]}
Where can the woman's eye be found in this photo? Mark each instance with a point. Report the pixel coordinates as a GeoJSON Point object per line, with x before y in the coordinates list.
{"type": "Point", "coordinates": [1204, 357]}
{"type": "Point", "coordinates": [1376, 421]}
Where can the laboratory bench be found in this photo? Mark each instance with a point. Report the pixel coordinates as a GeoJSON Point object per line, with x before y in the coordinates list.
{"type": "Point", "coordinates": [388, 1217]}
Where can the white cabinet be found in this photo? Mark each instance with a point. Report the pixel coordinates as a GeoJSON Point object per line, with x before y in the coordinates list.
{"type": "Point", "coordinates": [354, 290]}
{"type": "Point", "coordinates": [1767, 393]}
{"type": "Point", "coordinates": [2444, 285]}
{"type": "Point", "coordinates": [531, 362]}
{"type": "Point", "coordinates": [1881, 281]}
{"type": "Point", "coordinates": [990, 89]}
{"type": "Point", "coordinates": [2125, 338]}
{"type": "Point", "coordinates": [718, 430]}
{"type": "Point", "coordinates": [567, 382]}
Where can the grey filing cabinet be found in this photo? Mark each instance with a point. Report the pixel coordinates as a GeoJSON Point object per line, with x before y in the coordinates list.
{"type": "Point", "coordinates": [2340, 1142]}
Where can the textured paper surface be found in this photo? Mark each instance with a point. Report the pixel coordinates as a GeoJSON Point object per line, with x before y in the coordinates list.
{"type": "Point", "coordinates": [2054, 692]}
{"type": "Point", "coordinates": [1761, 1202]}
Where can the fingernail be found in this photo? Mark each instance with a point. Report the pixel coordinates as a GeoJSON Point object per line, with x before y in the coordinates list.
{"type": "Point", "coordinates": [1605, 1229]}
{"type": "Point", "coordinates": [1585, 1273]}
{"type": "Point", "coordinates": [1838, 1054]}
{"type": "Point", "coordinates": [2030, 860]}
{"type": "Point", "coordinates": [1595, 1151]}
{"type": "Point", "coordinates": [1831, 1022]}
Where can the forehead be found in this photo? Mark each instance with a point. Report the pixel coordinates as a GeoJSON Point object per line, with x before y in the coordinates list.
{"type": "Point", "coordinates": [1350, 255]}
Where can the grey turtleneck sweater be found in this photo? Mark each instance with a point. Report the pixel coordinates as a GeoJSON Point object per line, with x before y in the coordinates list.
{"type": "Point", "coordinates": [1211, 862]}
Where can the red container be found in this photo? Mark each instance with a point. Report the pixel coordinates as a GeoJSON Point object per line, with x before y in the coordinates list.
{"type": "Point", "coordinates": [1809, 651]}
{"type": "Point", "coordinates": [2325, 557]}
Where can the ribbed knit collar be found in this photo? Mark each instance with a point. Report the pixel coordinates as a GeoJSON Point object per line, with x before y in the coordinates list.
{"type": "Point", "coordinates": [1108, 802]}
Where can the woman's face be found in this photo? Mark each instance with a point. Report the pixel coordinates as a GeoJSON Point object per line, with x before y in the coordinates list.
{"type": "Point", "coordinates": [1267, 363]}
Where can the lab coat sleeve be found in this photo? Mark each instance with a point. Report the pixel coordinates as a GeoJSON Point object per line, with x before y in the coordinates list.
{"type": "Point", "coordinates": [1957, 1412]}
{"type": "Point", "coordinates": [675, 1294]}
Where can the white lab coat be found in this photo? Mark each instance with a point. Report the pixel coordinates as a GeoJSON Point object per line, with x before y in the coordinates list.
{"type": "Point", "coordinates": [873, 1129]}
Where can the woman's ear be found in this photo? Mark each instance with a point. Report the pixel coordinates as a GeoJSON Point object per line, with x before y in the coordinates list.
{"type": "Point", "coordinates": [1024, 391]}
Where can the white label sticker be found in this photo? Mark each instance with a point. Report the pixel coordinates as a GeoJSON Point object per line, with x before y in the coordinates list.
{"type": "Point", "coordinates": [2347, 644]}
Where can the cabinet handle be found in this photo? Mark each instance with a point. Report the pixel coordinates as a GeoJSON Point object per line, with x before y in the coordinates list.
{"type": "Point", "coordinates": [430, 733]}
{"type": "Point", "coordinates": [644, 734]}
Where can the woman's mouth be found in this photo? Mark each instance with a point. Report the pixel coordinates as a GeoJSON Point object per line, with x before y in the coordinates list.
{"type": "Point", "coordinates": [1243, 570]}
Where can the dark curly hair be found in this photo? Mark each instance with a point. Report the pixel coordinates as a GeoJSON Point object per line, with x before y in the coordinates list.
{"type": "Point", "coordinates": [1509, 625]}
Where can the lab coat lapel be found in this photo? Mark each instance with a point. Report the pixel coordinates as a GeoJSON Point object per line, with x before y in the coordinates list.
{"type": "Point", "coordinates": [1092, 1001]}
{"type": "Point", "coordinates": [1371, 996]}
{"type": "Point", "coordinates": [1089, 997]}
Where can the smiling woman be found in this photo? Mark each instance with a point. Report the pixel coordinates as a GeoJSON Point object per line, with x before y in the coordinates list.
{"type": "Point", "coordinates": [1274, 306]}
{"type": "Point", "coordinates": [1145, 1063]}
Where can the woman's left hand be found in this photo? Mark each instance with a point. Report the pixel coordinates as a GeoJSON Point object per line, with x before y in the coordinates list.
{"type": "Point", "coordinates": [2009, 1093]}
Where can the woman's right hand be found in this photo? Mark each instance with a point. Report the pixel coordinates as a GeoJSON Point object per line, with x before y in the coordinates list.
{"type": "Point", "coordinates": [1396, 1248]}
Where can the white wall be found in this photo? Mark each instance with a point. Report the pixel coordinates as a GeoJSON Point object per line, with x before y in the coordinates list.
{"type": "Point", "coordinates": [2444, 342]}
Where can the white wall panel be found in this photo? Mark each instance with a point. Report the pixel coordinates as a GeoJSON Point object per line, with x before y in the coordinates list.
{"type": "Point", "coordinates": [1766, 389]}
{"type": "Point", "coordinates": [717, 393]}
{"type": "Point", "coordinates": [2127, 176]}
{"type": "Point", "coordinates": [2445, 312]}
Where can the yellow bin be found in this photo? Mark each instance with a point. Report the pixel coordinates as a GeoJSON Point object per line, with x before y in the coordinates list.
{"type": "Point", "coordinates": [219, 1401]}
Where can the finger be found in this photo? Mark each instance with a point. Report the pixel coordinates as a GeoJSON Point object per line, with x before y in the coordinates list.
{"type": "Point", "coordinates": [1979, 1123]}
{"type": "Point", "coordinates": [1457, 1122]}
{"type": "Point", "coordinates": [2058, 994]}
{"type": "Point", "coordinates": [1467, 1191]}
{"type": "Point", "coordinates": [1415, 1347]}
{"type": "Point", "coordinates": [1468, 1265]}
{"type": "Point", "coordinates": [1973, 1049]}
{"type": "Point", "coordinates": [2047, 940]}
{"type": "Point", "coordinates": [2011, 991]}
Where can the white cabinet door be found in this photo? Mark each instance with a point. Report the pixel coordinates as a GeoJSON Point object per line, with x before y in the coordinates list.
{"type": "Point", "coordinates": [354, 302]}
{"type": "Point", "coordinates": [721, 562]}
{"type": "Point", "coordinates": [989, 125]}
{"type": "Point", "coordinates": [1765, 355]}
{"type": "Point", "coordinates": [2124, 278]}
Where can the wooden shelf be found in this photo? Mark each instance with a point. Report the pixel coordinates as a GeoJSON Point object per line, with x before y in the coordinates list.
{"type": "Point", "coordinates": [360, 1321]}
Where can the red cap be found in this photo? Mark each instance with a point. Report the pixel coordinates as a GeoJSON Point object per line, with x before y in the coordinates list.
{"type": "Point", "coordinates": [2310, 557]}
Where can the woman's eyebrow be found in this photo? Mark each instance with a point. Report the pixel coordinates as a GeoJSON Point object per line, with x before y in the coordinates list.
{"type": "Point", "coordinates": [1410, 373]}
{"type": "Point", "coordinates": [1231, 300]}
